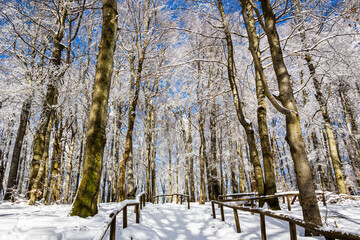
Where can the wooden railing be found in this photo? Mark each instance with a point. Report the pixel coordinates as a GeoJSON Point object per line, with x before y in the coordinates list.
{"type": "Point", "coordinates": [328, 234]}
{"type": "Point", "coordinates": [156, 198]}
{"type": "Point", "coordinates": [245, 197]}
{"type": "Point", "coordinates": [139, 202]}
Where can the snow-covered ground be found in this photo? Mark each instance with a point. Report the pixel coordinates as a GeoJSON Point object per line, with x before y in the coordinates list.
{"type": "Point", "coordinates": [163, 221]}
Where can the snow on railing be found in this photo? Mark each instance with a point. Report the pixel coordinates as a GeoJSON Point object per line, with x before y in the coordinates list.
{"type": "Point", "coordinates": [293, 221]}
{"type": "Point", "coordinates": [172, 195]}
{"type": "Point", "coordinates": [139, 202]}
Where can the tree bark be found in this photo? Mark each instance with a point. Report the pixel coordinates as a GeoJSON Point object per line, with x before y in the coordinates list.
{"type": "Point", "coordinates": [247, 125]}
{"type": "Point", "coordinates": [85, 203]}
{"type": "Point", "coordinates": [14, 165]}
{"type": "Point", "coordinates": [294, 137]}
{"type": "Point", "coordinates": [191, 160]}
{"type": "Point", "coordinates": [270, 183]}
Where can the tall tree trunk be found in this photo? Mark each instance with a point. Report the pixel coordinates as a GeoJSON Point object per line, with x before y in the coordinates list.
{"type": "Point", "coordinates": [49, 101]}
{"type": "Point", "coordinates": [186, 147]}
{"type": "Point", "coordinates": [69, 165]}
{"type": "Point", "coordinates": [270, 183]}
{"type": "Point", "coordinates": [214, 180]}
{"type": "Point", "coordinates": [242, 184]}
{"type": "Point", "coordinates": [85, 203]}
{"type": "Point", "coordinates": [334, 154]}
{"type": "Point", "coordinates": [294, 137]}
{"type": "Point", "coordinates": [234, 183]}
{"type": "Point", "coordinates": [54, 194]}
{"type": "Point", "coordinates": [115, 170]}
{"type": "Point", "coordinates": [202, 156]}
{"type": "Point", "coordinates": [134, 95]}
{"type": "Point", "coordinates": [220, 147]}
{"type": "Point", "coordinates": [247, 125]}
{"type": "Point", "coordinates": [35, 192]}
{"type": "Point", "coordinates": [191, 160]}
{"type": "Point", "coordinates": [14, 165]}
{"type": "Point", "coordinates": [148, 151]}
{"type": "Point", "coordinates": [170, 162]}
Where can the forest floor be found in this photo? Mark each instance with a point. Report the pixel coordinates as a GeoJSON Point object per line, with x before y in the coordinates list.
{"type": "Point", "coordinates": [162, 221]}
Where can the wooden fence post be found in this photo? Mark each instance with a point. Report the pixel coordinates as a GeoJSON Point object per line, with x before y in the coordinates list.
{"type": "Point", "coordinates": [213, 209]}
{"type": "Point", "coordinates": [238, 230]}
{"type": "Point", "coordinates": [113, 227]}
{"type": "Point", "coordinates": [141, 202]}
{"type": "Point", "coordinates": [288, 202]}
{"type": "Point", "coordinates": [125, 217]}
{"type": "Point", "coordinates": [181, 199]}
{"type": "Point", "coordinates": [137, 213]}
{"type": "Point", "coordinates": [144, 200]}
{"type": "Point", "coordinates": [252, 206]}
{"type": "Point", "coordinates": [292, 228]}
{"type": "Point", "coordinates": [222, 213]}
{"type": "Point", "coordinates": [188, 199]}
{"type": "Point", "coordinates": [263, 227]}
{"type": "Point", "coordinates": [324, 198]}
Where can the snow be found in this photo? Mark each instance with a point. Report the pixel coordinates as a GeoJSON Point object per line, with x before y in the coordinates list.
{"type": "Point", "coordinates": [161, 221]}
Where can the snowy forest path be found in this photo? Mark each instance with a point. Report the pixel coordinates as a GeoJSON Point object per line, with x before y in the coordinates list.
{"type": "Point", "coordinates": [173, 221]}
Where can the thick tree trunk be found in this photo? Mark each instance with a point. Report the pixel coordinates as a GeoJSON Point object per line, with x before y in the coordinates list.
{"type": "Point", "coordinates": [85, 203]}
{"type": "Point", "coordinates": [294, 137]}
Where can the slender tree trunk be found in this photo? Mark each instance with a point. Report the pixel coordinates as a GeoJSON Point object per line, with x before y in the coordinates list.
{"type": "Point", "coordinates": [191, 160]}
{"type": "Point", "coordinates": [153, 153]}
{"type": "Point", "coordinates": [14, 165]}
{"type": "Point", "coordinates": [170, 162]}
{"type": "Point", "coordinates": [148, 151]}
{"type": "Point", "coordinates": [242, 184]}
{"type": "Point", "coordinates": [54, 194]}
{"type": "Point", "coordinates": [334, 154]}
{"type": "Point", "coordinates": [234, 183]}
{"type": "Point", "coordinates": [115, 170]}
{"type": "Point", "coordinates": [247, 125]}
{"type": "Point", "coordinates": [222, 184]}
{"type": "Point", "coordinates": [202, 157]}
{"type": "Point", "coordinates": [270, 183]}
{"type": "Point", "coordinates": [69, 166]}
{"type": "Point", "coordinates": [186, 147]}
{"type": "Point", "coordinates": [35, 192]}
{"type": "Point", "coordinates": [85, 203]}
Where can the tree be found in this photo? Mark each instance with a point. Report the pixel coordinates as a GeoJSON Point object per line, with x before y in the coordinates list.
{"type": "Point", "coordinates": [85, 203]}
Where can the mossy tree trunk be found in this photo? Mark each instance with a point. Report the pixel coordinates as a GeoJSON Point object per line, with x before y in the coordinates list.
{"type": "Point", "coordinates": [85, 203]}
{"type": "Point", "coordinates": [50, 100]}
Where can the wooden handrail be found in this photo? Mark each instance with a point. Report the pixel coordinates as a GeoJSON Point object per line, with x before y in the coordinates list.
{"type": "Point", "coordinates": [139, 202]}
{"type": "Point", "coordinates": [171, 195]}
{"type": "Point", "coordinates": [223, 198]}
{"type": "Point", "coordinates": [329, 234]}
